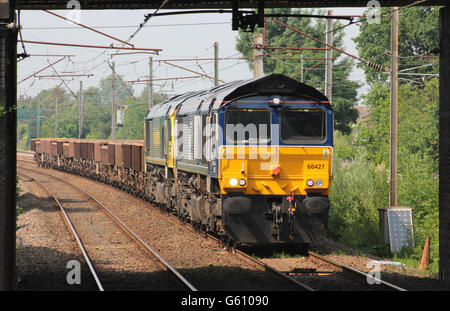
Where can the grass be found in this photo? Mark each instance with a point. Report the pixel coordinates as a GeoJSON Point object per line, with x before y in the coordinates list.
{"type": "Point", "coordinates": [286, 255]}
{"type": "Point", "coordinates": [359, 188]}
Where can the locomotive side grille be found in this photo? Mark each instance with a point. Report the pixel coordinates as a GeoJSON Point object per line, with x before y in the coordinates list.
{"type": "Point", "coordinates": [155, 138]}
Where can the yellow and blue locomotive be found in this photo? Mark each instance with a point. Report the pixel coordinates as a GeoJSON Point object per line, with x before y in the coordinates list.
{"type": "Point", "coordinates": [249, 160]}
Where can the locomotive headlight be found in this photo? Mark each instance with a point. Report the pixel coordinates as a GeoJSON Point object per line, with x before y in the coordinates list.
{"type": "Point", "coordinates": [310, 183]}
{"type": "Point", "coordinates": [233, 182]}
{"type": "Point", "coordinates": [242, 182]}
{"type": "Point", "coordinates": [276, 101]}
{"type": "Point", "coordinates": [319, 183]}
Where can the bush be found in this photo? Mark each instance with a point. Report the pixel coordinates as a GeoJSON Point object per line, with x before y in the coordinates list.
{"type": "Point", "coordinates": [18, 191]}
{"type": "Point", "coordinates": [358, 190]}
{"type": "Point", "coordinates": [418, 188]}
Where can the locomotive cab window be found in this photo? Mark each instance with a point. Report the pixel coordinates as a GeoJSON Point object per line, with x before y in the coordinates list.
{"type": "Point", "coordinates": [247, 126]}
{"type": "Point", "coordinates": [302, 125]}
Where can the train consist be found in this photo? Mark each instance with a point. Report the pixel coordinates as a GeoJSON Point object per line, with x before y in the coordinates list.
{"type": "Point", "coordinates": [248, 160]}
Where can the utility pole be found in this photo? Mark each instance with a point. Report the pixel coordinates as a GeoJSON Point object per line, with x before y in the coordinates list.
{"type": "Point", "coordinates": [39, 116]}
{"type": "Point", "coordinates": [302, 78]}
{"type": "Point", "coordinates": [150, 85]}
{"type": "Point", "coordinates": [394, 106]}
{"type": "Point", "coordinates": [258, 59]}
{"type": "Point", "coordinates": [216, 63]}
{"type": "Point", "coordinates": [80, 120]}
{"type": "Point", "coordinates": [328, 57]}
{"type": "Point", "coordinates": [113, 103]}
{"type": "Point", "coordinates": [56, 115]}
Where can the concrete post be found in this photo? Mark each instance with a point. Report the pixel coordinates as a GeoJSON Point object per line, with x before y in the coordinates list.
{"type": "Point", "coordinates": [258, 58]}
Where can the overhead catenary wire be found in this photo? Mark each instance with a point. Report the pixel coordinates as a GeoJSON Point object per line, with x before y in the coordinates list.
{"type": "Point", "coordinates": [91, 46]}
{"type": "Point", "coordinates": [24, 54]}
{"type": "Point", "coordinates": [87, 27]}
{"type": "Point", "coordinates": [147, 18]}
{"type": "Point", "coordinates": [64, 82]}
{"type": "Point", "coordinates": [93, 64]}
{"type": "Point", "coordinates": [368, 63]}
{"type": "Point", "coordinates": [98, 61]}
{"type": "Point", "coordinates": [382, 15]}
{"type": "Point", "coordinates": [102, 62]}
{"type": "Point", "coordinates": [121, 81]}
{"type": "Point", "coordinates": [40, 70]}
{"type": "Point", "coordinates": [129, 26]}
{"type": "Point", "coordinates": [196, 72]}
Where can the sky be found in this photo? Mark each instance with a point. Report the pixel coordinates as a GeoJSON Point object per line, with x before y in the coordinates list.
{"type": "Point", "coordinates": [181, 36]}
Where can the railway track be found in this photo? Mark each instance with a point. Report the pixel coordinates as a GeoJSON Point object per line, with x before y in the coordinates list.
{"type": "Point", "coordinates": [291, 283]}
{"type": "Point", "coordinates": [305, 280]}
{"type": "Point", "coordinates": [320, 273]}
{"type": "Point", "coordinates": [72, 229]}
{"type": "Point", "coordinates": [95, 206]}
{"type": "Point", "coordinates": [369, 281]}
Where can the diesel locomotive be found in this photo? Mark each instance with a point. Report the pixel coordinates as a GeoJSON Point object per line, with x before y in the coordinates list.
{"type": "Point", "coordinates": [249, 160]}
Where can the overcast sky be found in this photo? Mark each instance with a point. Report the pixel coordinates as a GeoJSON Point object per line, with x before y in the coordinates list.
{"type": "Point", "coordinates": [182, 36]}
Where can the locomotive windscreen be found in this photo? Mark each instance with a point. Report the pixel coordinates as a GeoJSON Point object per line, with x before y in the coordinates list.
{"type": "Point", "coordinates": [302, 125]}
{"type": "Point", "coordinates": [247, 126]}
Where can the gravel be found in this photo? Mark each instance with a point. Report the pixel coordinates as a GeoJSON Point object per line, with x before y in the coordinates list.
{"type": "Point", "coordinates": [202, 261]}
{"type": "Point", "coordinates": [43, 246]}
{"type": "Point", "coordinates": [42, 237]}
{"type": "Point", "coordinates": [405, 277]}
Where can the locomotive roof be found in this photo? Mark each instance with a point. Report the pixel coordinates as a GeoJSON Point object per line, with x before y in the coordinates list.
{"type": "Point", "coordinates": [202, 102]}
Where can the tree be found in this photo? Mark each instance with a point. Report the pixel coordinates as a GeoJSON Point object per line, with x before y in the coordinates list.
{"type": "Point", "coordinates": [418, 128]}
{"type": "Point", "coordinates": [66, 110]}
{"type": "Point", "coordinates": [344, 90]}
{"type": "Point", "coordinates": [133, 125]}
{"type": "Point", "coordinates": [418, 147]}
{"type": "Point", "coordinates": [96, 115]}
{"type": "Point", "coordinates": [96, 111]}
{"type": "Point", "coordinates": [418, 36]}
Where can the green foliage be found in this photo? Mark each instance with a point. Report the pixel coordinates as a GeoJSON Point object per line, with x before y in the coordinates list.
{"type": "Point", "coordinates": [363, 167]}
{"type": "Point", "coordinates": [96, 112]}
{"type": "Point", "coordinates": [133, 121]}
{"type": "Point", "coordinates": [343, 147]}
{"type": "Point", "coordinates": [283, 254]}
{"type": "Point", "coordinates": [344, 90]}
{"type": "Point", "coordinates": [344, 115]}
{"type": "Point", "coordinates": [97, 118]}
{"type": "Point", "coordinates": [24, 136]}
{"type": "Point", "coordinates": [133, 127]}
{"type": "Point", "coordinates": [358, 190]}
{"type": "Point", "coordinates": [374, 132]}
{"type": "Point", "coordinates": [417, 122]}
{"type": "Point", "coordinates": [18, 192]}
{"type": "Point", "coordinates": [418, 35]}
{"type": "Point", "coordinates": [418, 187]}
{"type": "Point", "coordinates": [18, 189]}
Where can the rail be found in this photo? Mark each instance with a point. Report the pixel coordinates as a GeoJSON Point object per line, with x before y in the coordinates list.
{"type": "Point", "coordinates": [72, 229]}
{"type": "Point", "coordinates": [355, 272]}
{"type": "Point", "coordinates": [163, 263]}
